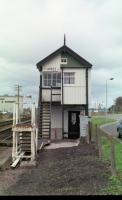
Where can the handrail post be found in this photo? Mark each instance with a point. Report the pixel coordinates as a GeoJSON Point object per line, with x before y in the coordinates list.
{"type": "Point", "coordinates": [50, 109]}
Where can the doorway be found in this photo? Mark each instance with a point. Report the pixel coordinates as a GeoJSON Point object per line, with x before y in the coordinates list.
{"type": "Point", "coordinates": [73, 124]}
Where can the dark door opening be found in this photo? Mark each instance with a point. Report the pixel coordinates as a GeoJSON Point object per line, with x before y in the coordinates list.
{"type": "Point", "coordinates": [73, 124]}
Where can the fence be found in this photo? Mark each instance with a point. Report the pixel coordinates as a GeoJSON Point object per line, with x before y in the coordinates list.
{"type": "Point", "coordinates": [106, 146]}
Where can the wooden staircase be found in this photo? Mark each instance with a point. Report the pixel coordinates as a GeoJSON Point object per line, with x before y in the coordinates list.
{"type": "Point", "coordinates": [45, 120]}
{"type": "Point", "coordinates": [25, 141]}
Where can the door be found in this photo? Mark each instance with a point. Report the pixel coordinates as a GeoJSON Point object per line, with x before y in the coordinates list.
{"type": "Point", "coordinates": [73, 125]}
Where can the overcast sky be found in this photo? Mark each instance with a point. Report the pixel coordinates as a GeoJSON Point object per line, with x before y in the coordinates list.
{"type": "Point", "coordinates": [32, 29]}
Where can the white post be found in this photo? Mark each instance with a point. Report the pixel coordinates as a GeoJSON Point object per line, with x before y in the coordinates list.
{"type": "Point", "coordinates": [33, 114]}
{"type": "Point", "coordinates": [32, 146]}
{"type": "Point", "coordinates": [16, 140]}
{"type": "Point", "coordinates": [36, 140]}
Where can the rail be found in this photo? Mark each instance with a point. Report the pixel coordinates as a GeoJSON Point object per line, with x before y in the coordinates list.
{"type": "Point", "coordinates": [6, 131]}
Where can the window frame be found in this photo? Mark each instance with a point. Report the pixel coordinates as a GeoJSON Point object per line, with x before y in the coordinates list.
{"type": "Point", "coordinates": [69, 77]}
{"type": "Point", "coordinates": [57, 80]}
{"type": "Point", "coordinates": [64, 63]}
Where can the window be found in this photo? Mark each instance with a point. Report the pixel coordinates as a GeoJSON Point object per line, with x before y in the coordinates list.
{"type": "Point", "coordinates": [63, 60]}
{"type": "Point", "coordinates": [69, 78]}
{"type": "Point", "coordinates": [52, 79]}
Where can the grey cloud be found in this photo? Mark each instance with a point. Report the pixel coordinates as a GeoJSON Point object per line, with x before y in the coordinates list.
{"type": "Point", "coordinates": [32, 29]}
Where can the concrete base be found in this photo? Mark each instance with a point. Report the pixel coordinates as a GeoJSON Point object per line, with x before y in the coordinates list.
{"type": "Point", "coordinates": [28, 164]}
{"type": "Point", "coordinates": [63, 144]}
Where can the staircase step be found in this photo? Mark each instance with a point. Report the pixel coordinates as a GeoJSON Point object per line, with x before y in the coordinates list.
{"type": "Point", "coordinates": [45, 133]}
{"type": "Point", "coordinates": [45, 112]}
{"type": "Point", "coordinates": [45, 116]}
{"type": "Point", "coordinates": [44, 123]}
{"type": "Point", "coordinates": [45, 136]}
{"type": "Point", "coordinates": [25, 142]}
{"type": "Point", "coordinates": [45, 130]}
{"type": "Point", "coordinates": [45, 127]}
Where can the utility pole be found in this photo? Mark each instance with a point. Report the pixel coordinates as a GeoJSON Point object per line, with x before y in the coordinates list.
{"type": "Point", "coordinates": [18, 88]}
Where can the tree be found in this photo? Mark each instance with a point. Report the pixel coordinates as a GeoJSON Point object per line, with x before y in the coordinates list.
{"type": "Point", "coordinates": [118, 104]}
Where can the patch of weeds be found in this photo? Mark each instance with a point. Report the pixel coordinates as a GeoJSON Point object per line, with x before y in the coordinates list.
{"type": "Point", "coordinates": [114, 187]}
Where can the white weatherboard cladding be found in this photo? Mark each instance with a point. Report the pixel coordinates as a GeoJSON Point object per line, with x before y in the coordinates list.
{"type": "Point", "coordinates": [89, 87]}
{"type": "Point", "coordinates": [56, 118]}
{"type": "Point", "coordinates": [76, 93]}
{"type": "Point", "coordinates": [46, 95]}
{"type": "Point", "coordinates": [53, 64]}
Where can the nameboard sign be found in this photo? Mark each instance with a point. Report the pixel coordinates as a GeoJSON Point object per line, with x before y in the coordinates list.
{"type": "Point", "coordinates": [51, 69]}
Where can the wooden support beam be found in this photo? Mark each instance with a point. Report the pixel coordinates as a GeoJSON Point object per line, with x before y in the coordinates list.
{"type": "Point", "coordinates": [24, 142]}
{"type": "Point", "coordinates": [16, 143]}
{"type": "Point", "coordinates": [32, 146]}
{"type": "Point", "coordinates": [13, 149]}
{"type": "Point", "coordinates": [33, 114]}
{"type": "Point", "coordinates": [17, 160]}
{"type": "Point", "coordinates": [113, 163]}
{"type": "Point", "coordinates": [36, 138]}
{"type": "Point", "coordinates": [42, 144]}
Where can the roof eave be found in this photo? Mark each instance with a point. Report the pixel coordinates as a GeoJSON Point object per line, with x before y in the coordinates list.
{"type": "Point", "coordinates": [70, 51]}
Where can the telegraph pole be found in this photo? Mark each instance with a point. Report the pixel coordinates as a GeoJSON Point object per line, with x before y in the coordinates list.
{"type": "Point", "coordinates": [18, 88]}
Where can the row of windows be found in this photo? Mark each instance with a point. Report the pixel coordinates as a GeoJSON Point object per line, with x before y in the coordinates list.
{"type": "Point", "coordinates": [54, 78]}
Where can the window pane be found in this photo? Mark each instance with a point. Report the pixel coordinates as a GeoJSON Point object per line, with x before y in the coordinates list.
{"type": "Point", "coordinates": [45, 82]}
{"type": "Point", "coordinates": [52, 78]}
{"type": "Point", "coordinates": [45, 75]}
{"type": "Point", "coordinates": [69, 78]}
{"type": "Point", "coordinates": [64, 60]}
{"type": "Point", "coordinates": [66, 74]}
{"type": "Point", "coordinates": [71, 73]}
{"type": "Point", "coordinates": [72, 81]}
{"type": "Point", "coordinates": [54, 75]}
{"type": "Point", "coordinates": [49, 75]}
{"type": "Point", "coordinates": [54, 82]}
{"type": "Point", "coordinates": [66, 80]}
{"type": "Point", "coordinates": [49, 82]}
{"type": "Point", "coordinates": [58, 75]}
{"type": "Point", "coordinates": [58, 80]}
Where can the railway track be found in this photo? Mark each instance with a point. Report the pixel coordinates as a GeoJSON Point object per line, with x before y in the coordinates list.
{"type": "Point", "coordinates": [6, 132]}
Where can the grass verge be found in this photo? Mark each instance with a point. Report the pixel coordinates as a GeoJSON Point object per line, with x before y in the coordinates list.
{"type": "Point", "coordinates": [115, 186]}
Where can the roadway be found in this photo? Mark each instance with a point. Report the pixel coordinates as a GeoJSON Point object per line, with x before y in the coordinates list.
{"type": "Point", "coordinates": [111, 128]}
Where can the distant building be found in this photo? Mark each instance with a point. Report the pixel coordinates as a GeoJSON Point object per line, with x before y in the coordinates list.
{"type": "Point", "coordinates": [7, 103]}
